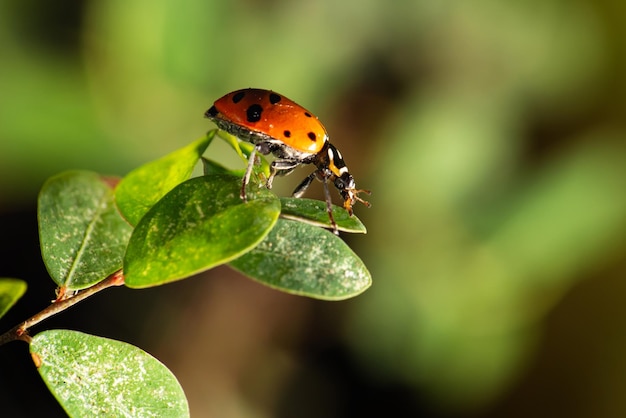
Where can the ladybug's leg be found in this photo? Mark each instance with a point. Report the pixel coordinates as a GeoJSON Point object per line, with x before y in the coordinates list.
{"type": "Point", "coordinates": [246, 177]}
{"type": "Point", "coordinates": [262, 147]}
{"type": "Point", "coordinates": [280, 167]}
{"type": "Point", "coordinates": [329, 206]}
{"type": "Point", "coordinates": [299, 191]}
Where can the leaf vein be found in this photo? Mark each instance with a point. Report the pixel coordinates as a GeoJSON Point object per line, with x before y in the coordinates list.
{"type": "Point", "coordinates": [100, 208]}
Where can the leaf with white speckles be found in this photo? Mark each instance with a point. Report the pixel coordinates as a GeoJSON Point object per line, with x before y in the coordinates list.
{"type": "Point", "coordinates": [146, 185]}
{"type": "Point", "coordinates": [10, 292]}
{"type": "Point", "coordinates": [200, 224]}
{"type": "Point", "coordinates": [97, 377]}
{"type": "Point", "coordinates": [305, 260]}
{"type": "Point", "coordinates": [82, 235]}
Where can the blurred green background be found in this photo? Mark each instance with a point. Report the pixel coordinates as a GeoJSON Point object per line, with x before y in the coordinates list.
{"type": "Point", "coordinates": [491, 133]}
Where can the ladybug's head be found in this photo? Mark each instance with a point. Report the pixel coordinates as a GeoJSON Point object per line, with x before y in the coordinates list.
{"type": "Point", "coordinates": [347, 188]}
{"type": "Point", "coordinates": [344, 182]}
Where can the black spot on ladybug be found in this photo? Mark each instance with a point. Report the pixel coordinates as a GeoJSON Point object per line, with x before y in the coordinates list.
{"type": "Point", "coordinates": [287, 134]}
{"type": "Point", "coordinates": [274, 98]}
{"type": "Point", "coordinates": [308, 115]}
{"type": "Point", "coordinates": [253, 113]}
{"type": "Point", "coordinates": [237, 97]}
{"type": "Point", "coordinates": [211, 112]}
{"type": "Point", "coordinates": [312, 136]}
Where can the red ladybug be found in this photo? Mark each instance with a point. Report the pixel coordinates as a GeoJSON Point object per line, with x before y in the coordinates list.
{"type": "Point", "coordinates": [277, 125]}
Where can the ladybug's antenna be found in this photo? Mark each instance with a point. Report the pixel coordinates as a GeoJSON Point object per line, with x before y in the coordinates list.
{"type": "Point", "coordinates": [351, 196]}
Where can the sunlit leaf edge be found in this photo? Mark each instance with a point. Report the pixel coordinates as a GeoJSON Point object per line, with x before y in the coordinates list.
{"type": "Point", "coordinates": [314, 212]}
{"type": "Point", "coordinates": [11, 290]}
{"type": "Point", "coordinates": [146, 177]}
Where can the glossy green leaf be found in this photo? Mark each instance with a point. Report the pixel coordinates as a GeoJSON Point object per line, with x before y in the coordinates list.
{"type": "Point", "coordinates": [11, 290]}
{"type": "Point", "coordinates": [97, 377]}
{"type": "Point", "coordinates": [200, 224]}
{"type": "Point", "coordinates": [305, 260]}
{"type": "Point", "coordinates": [144, 186]}
{"type": "Point", "coordinates": [314, 212]}
{"type": "Point", "coordinates": [82, 235]}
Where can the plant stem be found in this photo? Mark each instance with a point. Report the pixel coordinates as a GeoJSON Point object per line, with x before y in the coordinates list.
{"type": "Point", "coordinates": [20, 332]}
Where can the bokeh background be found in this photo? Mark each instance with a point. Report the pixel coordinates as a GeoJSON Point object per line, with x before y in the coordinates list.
{"type": "Point", "coordinates": [491, 133]}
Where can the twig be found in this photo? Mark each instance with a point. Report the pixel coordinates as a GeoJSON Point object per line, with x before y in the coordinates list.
{"type": "Point", "coordinates": [20, 332]}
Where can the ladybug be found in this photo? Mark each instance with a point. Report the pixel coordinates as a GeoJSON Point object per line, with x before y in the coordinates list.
{"type": "Point", "coordinates": [277, 125]}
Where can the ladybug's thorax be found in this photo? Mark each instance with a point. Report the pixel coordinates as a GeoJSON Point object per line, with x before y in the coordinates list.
{"type": "Point", "coordinates": [334, 161]}
{"type": "Point", "coordinates": [271, 117]}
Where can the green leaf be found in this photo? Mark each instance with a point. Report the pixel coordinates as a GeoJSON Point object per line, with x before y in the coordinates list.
{"type": "Point", "coordinates": [305, 260]}
{"type": "Point", "coordinates": [244, 149]}
{"type": "Point", "coordinates": [11, 290]}
{"type": "Point", "coordinates": [234, 143]}
{"type": "Point", "coordinates": [200, 224]}
{"type": "Point", "coordinates": [211, 167]}
{"type": "Point", "coordinates": [144, 186]}
{"type": "Point", "coordinates": [82, 235]}
{"type": "Point", "coordinates": [97, 377]}
{"type": "Point", "coordinates": [314, 212]}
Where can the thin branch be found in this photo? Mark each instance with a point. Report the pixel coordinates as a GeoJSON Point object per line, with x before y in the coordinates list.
{"type": "Point", "coordinates": [20, 332]}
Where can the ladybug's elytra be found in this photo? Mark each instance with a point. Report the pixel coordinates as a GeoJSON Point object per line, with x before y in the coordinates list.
{"type": "Point", "coordinates": [277, 125]}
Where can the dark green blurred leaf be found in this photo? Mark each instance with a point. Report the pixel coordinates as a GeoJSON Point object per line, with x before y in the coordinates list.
{"type": "Point", "coordinates": [305, 260]}
{"type": "Point", "coordinates": [11, 290]}
{"type": "Point", "coordinates": [314, 212]}
{"type": "Point", "coordinates": [83, 237]}
{"type": "Point", "coordinates": [200, 224]}
{"type": "Point", "coordinates": [144, 186]}
{"type": "Point", "coordinates": [97, 377]}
